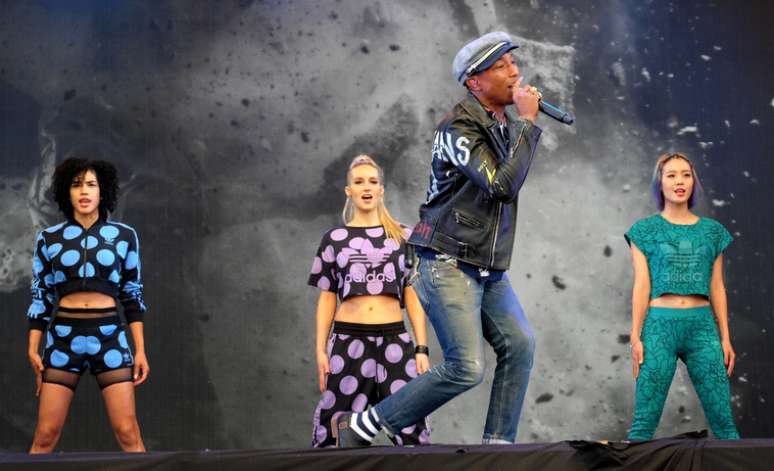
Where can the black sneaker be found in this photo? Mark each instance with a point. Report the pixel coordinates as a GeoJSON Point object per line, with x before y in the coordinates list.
{"type": "Point", "coordinates": [343, 433]}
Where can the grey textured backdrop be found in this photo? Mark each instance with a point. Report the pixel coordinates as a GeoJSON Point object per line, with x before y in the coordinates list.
{"type": "Point", "coordinates": [232, 123]}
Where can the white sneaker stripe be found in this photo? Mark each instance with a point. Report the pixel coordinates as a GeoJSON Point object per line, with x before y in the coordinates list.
{"type": "Point", "coordinates": [369, 425]}
{"type": "Point", "coordinates": [360, 431]}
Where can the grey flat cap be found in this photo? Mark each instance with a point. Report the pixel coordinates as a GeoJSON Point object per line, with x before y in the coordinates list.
{"type": "Point", "coordinates": [479, 54]}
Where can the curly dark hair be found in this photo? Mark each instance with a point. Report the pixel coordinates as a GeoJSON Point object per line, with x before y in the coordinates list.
{"type": "Point", "coordinates": [69, 169]}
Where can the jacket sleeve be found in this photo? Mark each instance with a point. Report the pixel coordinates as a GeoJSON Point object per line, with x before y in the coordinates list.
{"type": "Point", "coordinates": [461, 143]}
{"type": "Point", "coordinates": [130, 294]}
{"type": "Point", "coordinates": [42, 287]}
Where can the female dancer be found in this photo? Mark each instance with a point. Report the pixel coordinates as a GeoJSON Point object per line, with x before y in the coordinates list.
{"type": "Point", "coordinates": [80, 267]}
{"type": "Point", "coordinates": [369, 354]}
{"type": "Point", "coordinates": [678, 285]}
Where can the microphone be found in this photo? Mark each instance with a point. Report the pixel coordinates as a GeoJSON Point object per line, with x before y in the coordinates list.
{"type": "Point", "coordinates": [556, 113]}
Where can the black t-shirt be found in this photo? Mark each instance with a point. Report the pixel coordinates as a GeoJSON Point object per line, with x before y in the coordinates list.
{"type": "Point", "coordinates": [357, 261]}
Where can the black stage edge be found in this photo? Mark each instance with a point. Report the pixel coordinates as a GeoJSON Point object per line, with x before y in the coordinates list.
{"type": "Point", "coordinates": [664, 454]}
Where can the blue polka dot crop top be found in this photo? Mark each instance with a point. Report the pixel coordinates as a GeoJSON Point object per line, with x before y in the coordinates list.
{"type": "Point", "coordinates": [68, 258]}
{"type": "Point", "coordinates": [355, 261]}
{"type": "Point", "coordinates": [680, 256]}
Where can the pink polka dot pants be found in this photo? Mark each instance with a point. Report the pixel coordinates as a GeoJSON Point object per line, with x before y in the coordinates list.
{"type": "Point", "coordinates": [368, 363]}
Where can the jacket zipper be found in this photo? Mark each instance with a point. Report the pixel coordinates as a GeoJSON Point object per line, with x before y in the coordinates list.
{"type": "Point", "coordinates": [460, 218]}
{"type": "Point", "coordinates": [500, 207]}
{"type": "Point", "coordinates": [497, 229]}
{"type": "Point", "coordinates": [85, 245]}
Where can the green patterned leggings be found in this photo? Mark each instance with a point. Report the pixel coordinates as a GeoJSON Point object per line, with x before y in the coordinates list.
{"type": "Point", "coordinates": [691, 335]}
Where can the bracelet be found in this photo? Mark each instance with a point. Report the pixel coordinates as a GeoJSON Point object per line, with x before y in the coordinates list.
{"type": "Point", "coordinates": [422, 349]}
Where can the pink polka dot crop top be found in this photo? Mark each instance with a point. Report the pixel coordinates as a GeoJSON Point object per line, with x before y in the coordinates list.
{"type": "Point", "coordinates": [360, 261]}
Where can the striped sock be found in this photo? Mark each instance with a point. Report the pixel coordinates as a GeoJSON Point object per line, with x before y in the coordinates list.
{"type": "Point", "coordinates": [365, 424]}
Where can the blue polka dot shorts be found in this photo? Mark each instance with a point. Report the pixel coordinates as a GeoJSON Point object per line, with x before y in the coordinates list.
{"type": "Point", "coordinates": [75, 345]}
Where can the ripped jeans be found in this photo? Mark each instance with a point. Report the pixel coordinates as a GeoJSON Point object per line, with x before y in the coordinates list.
{"type": "Point", "coordinates": [465, 311]}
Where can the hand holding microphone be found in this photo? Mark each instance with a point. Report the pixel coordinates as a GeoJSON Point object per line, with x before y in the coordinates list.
{"type": "Point", "coordinates": [522, 98]}
{"type": "Point", "coordinates": [526, 101]}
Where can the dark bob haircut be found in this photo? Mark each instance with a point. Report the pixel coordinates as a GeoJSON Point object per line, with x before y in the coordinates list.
{"type": "Point", "coordinates": [69, 169]}
{"type": "Point", "coordinates": [658, 170]}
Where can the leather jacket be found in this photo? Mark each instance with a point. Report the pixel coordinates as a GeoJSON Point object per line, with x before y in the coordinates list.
{"type": "Point", "coordinates": [478, 167]}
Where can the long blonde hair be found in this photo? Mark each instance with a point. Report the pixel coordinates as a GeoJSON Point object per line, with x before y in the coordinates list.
{"type": "Point", "coordinates": [392, 228]}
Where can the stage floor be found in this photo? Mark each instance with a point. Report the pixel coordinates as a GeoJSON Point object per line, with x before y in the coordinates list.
{"type": "Point", "coordinates": [664, 454]}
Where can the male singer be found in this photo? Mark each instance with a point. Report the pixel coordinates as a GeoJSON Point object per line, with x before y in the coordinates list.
{"type": "Point", "coordinates": [464, 241]}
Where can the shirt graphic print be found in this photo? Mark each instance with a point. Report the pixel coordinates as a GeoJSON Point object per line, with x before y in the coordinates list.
{"type": "Point", "coordinates": [355, 261]}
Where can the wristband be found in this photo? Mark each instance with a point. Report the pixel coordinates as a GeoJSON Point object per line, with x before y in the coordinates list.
{"type": "Point", "coordinates": [422, 349]}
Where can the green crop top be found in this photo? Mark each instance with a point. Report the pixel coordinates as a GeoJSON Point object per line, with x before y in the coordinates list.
{"type": "Point", "coordinates": [680, 256]}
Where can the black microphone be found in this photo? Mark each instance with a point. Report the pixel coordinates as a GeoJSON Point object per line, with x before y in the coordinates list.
{"type": "Point", "coordinates": [556, 113]}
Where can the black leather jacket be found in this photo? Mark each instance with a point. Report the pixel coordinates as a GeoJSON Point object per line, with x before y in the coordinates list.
{"type": "Point", "coordinates": [478, 168]}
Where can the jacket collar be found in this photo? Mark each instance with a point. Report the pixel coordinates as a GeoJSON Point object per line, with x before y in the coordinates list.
{"type": "Point", "coordinates": [487, 118]}
{"type": "Point", "coordinates": [99, 222]}
{"type": "Point", "coordinates": [477, 110]}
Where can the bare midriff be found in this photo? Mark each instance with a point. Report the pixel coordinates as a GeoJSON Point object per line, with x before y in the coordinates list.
{"type": "Point", "coordinates": [370, 310]}
{"type": "Point", "coordinates": [679, 301]}
{"type": "Point", "coordinates": [86, 300]}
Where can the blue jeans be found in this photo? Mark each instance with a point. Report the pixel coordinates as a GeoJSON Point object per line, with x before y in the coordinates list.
{"type": "Point", "coordinates": [464, 312]}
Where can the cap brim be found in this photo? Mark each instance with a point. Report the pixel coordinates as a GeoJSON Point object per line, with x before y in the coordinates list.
{"type": "Point", "coordinates": [494, 57]}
